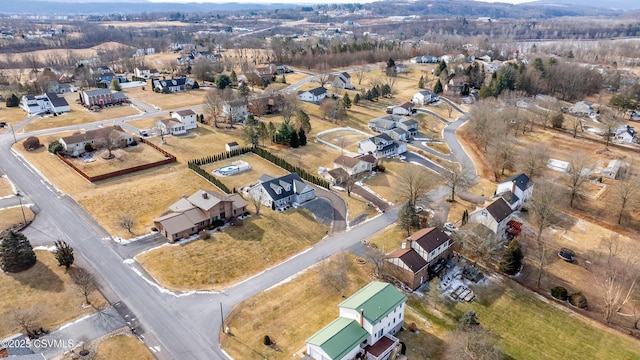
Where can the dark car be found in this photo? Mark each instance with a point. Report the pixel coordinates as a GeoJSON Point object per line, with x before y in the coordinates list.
{"type": "Point", "coordinates": [566, 254]}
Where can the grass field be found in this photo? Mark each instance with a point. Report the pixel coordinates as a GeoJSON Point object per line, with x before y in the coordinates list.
{"type": "Point", "coordinates": [235, 253]}
{"type": "Point", "coordinates": [79, 116]}
{"type": "Point", "coordinates": [259, 167]}
{"type": "Point", "coordinates": [167, 101]}
{"type": "Point", "coordinates": [13, 216]}
{"type": "Point", "coordinates": [388, 239]}
{"type": "Point", "coordinates": [357, 205]}
{"type": "Point", "coordinates": [124, 158]}
{"type": "Point", "coordinates": [385, 184]}
{"type": "Point", "coordinates": [12, 116]}
{"type": "Point", "coordinates": [47, 290]}
{"type": "Point", "coordinates": [5, 187]}
{"type": "Point", "coordinates": [203, 141]}
{"type": "Point", "coordinates": [146, 123]}
{"type": "Point", "coordinates": [347, 140]}
{"type": "Point", "coordinates": [122, 347]}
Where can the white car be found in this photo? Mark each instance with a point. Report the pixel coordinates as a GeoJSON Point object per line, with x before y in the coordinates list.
{"type": "Point", "coordinates": [450, 227]}
{"type": "Point", "coordinates": [419, 209]}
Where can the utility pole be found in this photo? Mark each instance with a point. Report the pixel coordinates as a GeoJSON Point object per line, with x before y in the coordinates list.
{"type": "Point", "coordinates": [14, 134]}
{"type": "Point", "coordinates": [24, 217]}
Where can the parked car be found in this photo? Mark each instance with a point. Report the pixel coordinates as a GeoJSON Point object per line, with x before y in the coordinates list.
{"type": "Point", "coordinates": [450, 227]}
{"type": "Point", "coordinates": [419, 209]}
{"type": "Point", "coordinates": [567, 255]}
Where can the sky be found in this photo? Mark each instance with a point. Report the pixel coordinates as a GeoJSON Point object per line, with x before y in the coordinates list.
{"type": "Point", "coordinates": [301, 2]}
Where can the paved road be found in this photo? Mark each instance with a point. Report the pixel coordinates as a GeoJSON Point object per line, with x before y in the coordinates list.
{"type": "Point", "coordinates": [339, 208]}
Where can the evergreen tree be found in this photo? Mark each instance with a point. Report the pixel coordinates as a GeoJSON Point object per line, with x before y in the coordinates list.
{"type": "Point", "coordinates": [421, 82]}
{"type": "Point", "coordinates": [263, 132]}
{"type": "Point", "coordinates": [465, 217]}
{"type": "Point", "coordinates": [64, 254]}
{"type": "Point", "coordinates": [437, 88]}
{"type": "Point", "coordinates": [356, 99]}
{"type": "Point", "coordinates": [303, 121]}
{"type": "Point", "coordinates": [386, 90]}
{"type": "Point", "coordinates": [233, 77]}
{"type": "Point", "coordinates": [346, 100]}
{"type": "Point", "coordinates": [284, 134]}
{"type": "Point", "coordinates": [294, 141]}
{"type": "Point", "coordinates": [271, 130]}
{"type": "Point", "coordinates": [369, 95]}
{"type": "Point", "coordinates": [115, 85]}
{"type": "Point", "coordinates": [16, 253]}
{"type": "Point", "coordinates": [243, 90]}
{"type": "Point", "coordinates": [442, 66]}
{"type": "Point", "coordinates": [407, 218]}
{"type": "Point", "coordinates": [302, 137]}
{"type": "Point", "coordinates": [223, 81]}
{"type": "Point", "coordinates": [375, 93]}
{"type": "Point", "coordinates": [512, 258]}
{"type": "Point", "coordinates": [468, 321]}
{"type": "Point", "coordinates": [13, 101]}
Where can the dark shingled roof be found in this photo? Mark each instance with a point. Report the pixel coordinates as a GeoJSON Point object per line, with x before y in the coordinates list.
{"type": "Point", "coordinates": [318, 91]}
{"type": "Point", "coordinates": [287, 185]}
{"type": "Point", "coordinates": [57, 101]}
{"type": "Point", "coordinates": [409, 257]}
{"type": "Point", "coordinates": [499, 209]}
{"type": "Point", "coordinates": [521, 180]}
{"type": "Point", "coordinates": [431, 238]}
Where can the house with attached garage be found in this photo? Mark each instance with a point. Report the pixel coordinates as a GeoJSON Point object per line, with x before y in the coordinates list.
{"type": "Point", "coordinates": [405, 109]}
{"type": "Point", "coordinates": [191, 214]}
{"type": "Point", "coordinates": [314, 95]}
{"type": "Point", "coordinates": [517, 188]}
{"type": "Point", "coordinates": [624, 134]}
{"type": "Point", "coordinates": [171, 126]}
{"type": "Point", "coordinates": [365, 327]}
{"type": "Point", "coordinates": [357, 164]}
{"type": "Point", "coordinates": [186, 117]}
{"type": "Point", "coordinates": [384, 123]}
{"type": "Point", "coordinates": [341, 80]}
{"type": "Point", "coordinates": [235, 111]}
{"type": "Point", "coordinates": [173, 85]}
{"type": "Point", "coordinates": [75, 144]}
{"type": "Point", "coordinates": [381, 146]}
{"type": "Point", "coordinates": [422, 256]}
{"type": "Point", "coordinates": [424, 97]}
{"type": "Point", "coordinates": [46, 103]}
{"type": "Point", "coordinates": [102, 97]}
{"type": "Point", "coordinates": [146, 72]}
{"type": "Point", "coordinates": [283, 191]}
{"type": "Point", "coordinates": [495, 216]}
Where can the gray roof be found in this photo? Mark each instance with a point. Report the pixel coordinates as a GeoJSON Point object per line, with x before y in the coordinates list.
{"type": "Point", "coordinates": [381, 137]}
{"type": "Point", "coordinates": [409, 123]}
{"type": "Point", "coordinates": [97, 92]}
{"type": "Point", "coordinates": [318, 91]}
{"type": "Point", "coordinates": [185, 112]}
{"type": "Point", "coordinates": [56, 100]}
{"type": "Point", "coordinates": [284, 186]}
{"type": "Point", "coordinates": [521, 180]}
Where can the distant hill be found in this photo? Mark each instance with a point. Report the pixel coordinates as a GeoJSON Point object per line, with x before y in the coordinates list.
{"type": "Point", "coordinates": [607, 4]}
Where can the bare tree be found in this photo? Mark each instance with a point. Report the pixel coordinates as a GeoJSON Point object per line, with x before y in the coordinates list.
{"type": "Point", "coordinates": [459, 177]}
{"type": "Point", "coordinates": [542, 210]}
{"type": "Point", "coordinates": [578, 174]}
{"type": "Point", "coordinates": [625, 194]}
{"type": "Point", "coordinates": [27, 318]}
{"type": "Point", "coordinates": [483, 248]}
{"type": "Point", "coordinates": [377, 259]}
{"type": "Point", "coordinates": [503, 150]}
{"type": "Point", "coordinates": [289, 107]}
{"type": "Point", "coordinates": [533, 158]}
{"type": "Point", "coordinates": [85, 283]}
{"type": "Point", "coordinates": [360, 72]}
{"type": "Point", "coordinates": [475, 343]}
{"type": "Point", "coordinates": [323, 74]}
{"type": "Point", "coordinates": [610, 120]}
{"type": "Point", "coordinates": [435, 292]}
{"type": "Point", "coordinates": [127, 222]}
{"type": "Point", "coordinates": [335, 272]}
{"type": "Point", "coordinates": [215, 100]}
{"type": "Point", "coordinates": [413, 182]}
{"type": "Point", "coordinates": [111, 140]}
{"type": "Point", "coordinates": [575, 123]}
{"type": "Point", "coordinates": [349, 183]}
{"type": "Point", "coordinates": [256, 198]}
{"type": "Point", "coordinates": [618, 276]}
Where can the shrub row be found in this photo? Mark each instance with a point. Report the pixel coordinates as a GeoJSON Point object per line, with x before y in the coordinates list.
{"type": "Point", "coordinates": [576, 299]}
{"type": "Point", "coordinates": [196, 163]}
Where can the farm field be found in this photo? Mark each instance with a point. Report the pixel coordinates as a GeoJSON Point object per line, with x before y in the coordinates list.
{"type": "Point", "coordinates": [45, 289]}
{"type": "Point", "coordinates": [234, 253]}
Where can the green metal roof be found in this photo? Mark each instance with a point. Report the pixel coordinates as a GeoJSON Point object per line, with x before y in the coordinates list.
{"type": "Point", "coordinates": [339, 337]}
{"type": "Point", "coordinates": [376, 299]}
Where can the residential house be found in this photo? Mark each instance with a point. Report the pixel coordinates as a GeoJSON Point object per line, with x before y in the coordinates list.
{"type": "Point", "coordinates": [265, 73]}
{"type": "Point", "coordinates": [173, 85]}
{"type": "Point", "coordinates": [146, 72]}
{"type": "Point", "coordinates": [189, 215]}
{"type": "Point", "coordinates": [424, 97]}
{"type": "Point", "coordinates": [102, 97]}
{"type": "Point", "coordinates": [46, 103]}
{"type": "Point", "coordinates": [230, 146]}
{"type": "Point", "coordinates": [398, 134]}
{"type": "Point", "coordinates": [104, 75]}
{"type": "Point", "coordinates": [171, 126]}
{"type": "Point", "coordinates": [433, 245]}
{"type": "Point", "coordinates": [235, 110]}
{"type": "Point", "coordinates": [365, 328]}
{"type": "Point", "coordinates": [614, 169]}
{"type": "Point", "coordinates": [75, 144]}
{"type": "Point", "coordinates": [409, 125]}
{"type": "Point", "coordinates": [384, 123]}
{"type": "Point", "coordinates": [381, 146]}
{"type": "Point", "coordinates": [279, 68]}
{"type": "Point", "coordinates": [624, 134]}
{"type": "Point", "coordinates": [428, 59]}
{"type": "Point", "coordinates": [402, 69]}
{"type": "Point", "coordinates": [66, 88]}
{"type": "Point", "coordinates": [187, 117]}
{"type": "Point", "coordinates": [355, 165]}
{"type": "Point", "coordinates": [283, 191]}
{"type": "Point", "coordinates": [582, 108]}
{"type": "Point", "coordinates": [408, 266]}
{"type": "Point", "coordinates": [314, 95]}
{"type": "Point", "coordinates": [341, 80]}
{"type": "Point", "coordinates": [520, 188]}
{"type": "Point", "coordinates": [405, 109]}
{"type": "Point", "coordinates": [336, 176]}
{"type": "Point", "coordinates": [195, 54]}
{"type": "Point", "coordinates": [495, 216]}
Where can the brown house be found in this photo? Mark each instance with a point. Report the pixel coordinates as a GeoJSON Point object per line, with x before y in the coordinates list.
{"type": "Point", "coordinates": [408, 267]}
{"type": "Point", "coordinates": [189, 215]}
{"type": "Point", "coordinates": [432, 245]}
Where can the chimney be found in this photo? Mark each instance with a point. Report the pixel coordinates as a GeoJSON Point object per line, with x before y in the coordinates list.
{"type": "Point", "coordinates": [205, 195]}
{"type": "Point", "coordinates": [361, 318]}
{"type": "Point", "coordinates": [513, 186]}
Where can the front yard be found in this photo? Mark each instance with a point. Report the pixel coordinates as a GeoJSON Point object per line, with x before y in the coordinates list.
{"type": "Point", "coordinates": [234, 253]}
{"type": "Point", "coordinates": [167, 101]}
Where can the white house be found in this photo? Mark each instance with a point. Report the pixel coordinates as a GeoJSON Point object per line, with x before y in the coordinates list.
{"type": "Point", "coordinates": [381, 146]}
{"type": "Point", "coordinates": [495, 216]}
{"type": "Point", "coordinates": [40, 104]}
{"type": "Point", "coordinates": [341, 80]}
{"type": "Point", "coordinates": [236, 110]}
{"type": "Point", "coordinates": [186, 117]}
{"type": "Point", "coordinates": [173, 85]}
{"type": "Point", "coordinates": [614, 169]}
{"type": "Point", "coordinates": [146, 72]}
{"type": "Point", "coordinates": [282, 191]}
{"type": "Point", "coordinates": [367, 323]}
{"type": "Point", "coordinates": [314, 95]}
{"type": "Point", "coordinates": [624, 133]}
{"type": "Point", "coordinates": [424, 97]}
{"type": "Point", "coordinates": [384, 123]}
{"type": "Point", "coordinates": [520, 186]}
{"type": "Point", "coordinates": [405, 109]}
{"type": "Point", "coordinates": [171, 126]}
